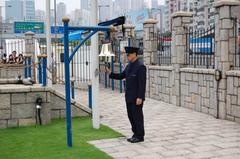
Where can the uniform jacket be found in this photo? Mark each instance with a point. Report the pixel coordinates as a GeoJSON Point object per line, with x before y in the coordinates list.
{"type": "Point", "coordinates": [135, 75]}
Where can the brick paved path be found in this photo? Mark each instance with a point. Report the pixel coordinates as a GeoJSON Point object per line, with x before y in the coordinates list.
{"type": "Point", "coordinates": [171, 132]}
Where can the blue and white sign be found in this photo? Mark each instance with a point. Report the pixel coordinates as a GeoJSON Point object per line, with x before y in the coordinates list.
{"type": "Point", "coordinates": [202, 45]}
{"type": "Point", "coordinates": [57, 30]}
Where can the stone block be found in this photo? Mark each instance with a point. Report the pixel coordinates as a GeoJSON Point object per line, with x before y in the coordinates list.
{"type": "Point", "coordinates": [234, 100]}
{"type": "Point", "coordinates": [184, 90]}
{"type": "Point", "coordinates": [237, 120]}
{"type": "Point", "coordinates": [227, 24]}
{"type": "Point", "coordinates": [230, 85]}
{"type": "Point", "coordinates": [5, 101]}
{"type": "Point", "coordinates": [230, 118]}
{"type": "Point", "coordinates": [224, 12]}
{"type": "Point", "coordinates": [5, 114]}
{"type": "Point", "coordinates": [46, 113]}
{"type": "Point", "coordinates": [57, 103]}
{"type": "Point", "coordinates": [204, 92]}
{"type": "Point", "coordinates": [236, 111]}
{"type": "Point", "coordinates": [238, 97]}
{"type": "Point", "coordinates": [18, 98]}
{"type": "Point", "coordinates": [55, 114]}
{"type": "Point", "coordinates": [222, 110]}
{"type": "Point", "coordinates": [186, 20]}
{"type": "Point", "coordinates": [213, 112]}
{"type": "Point", "coordinates": [224, 51]}
{"type": "Point", "coordinates": [213, 99]}
{"type": "Point", "coordinates": [32, 97]}
{"type": "Point", "coordinates": [62, 113]}
{"type": "Point", "coordinates": [205, 110]}
{"type": "Point", "coordinates": [180, 54]}
{"type": "Point", "coordinates": [232, 45]}
{"type": "Point", "coordinates": [229, 105]}
{"type": "Point", "coordinates": [193, 87]}
{"type": "Point", "coordinates": [174, 100]}
{"type": "Point", "coordinates": [3, 124]}
{"type": "Point", "coordinates": [21, 111]}
{"type": "Point", "coordinates": [12, 123]}
{"type": "Point", "coordinates": [224, 34]}
{"type": "Point", "coordinates": [179, 40]}
{"type": "Point", "coordinates": [206, 102]}
{"type": "Point", "coordinates": [177, 22]}
{"type": "Point", "coordinates": [27, 122]}
{"type": "Point", "coordinates": [189, 76]}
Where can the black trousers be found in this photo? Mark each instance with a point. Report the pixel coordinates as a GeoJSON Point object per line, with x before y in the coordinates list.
{"type": "Point", "coordinates": [135, 116]}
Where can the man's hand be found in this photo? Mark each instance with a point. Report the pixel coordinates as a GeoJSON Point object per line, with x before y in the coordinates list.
{"type": "Point", "coordinates": [139, 101]}
{"type": "Point", "coordinates": [108, 71]}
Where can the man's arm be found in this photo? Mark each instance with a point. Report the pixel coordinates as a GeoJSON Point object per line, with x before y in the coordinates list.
{"type": "Point", "coordinates": [141, 82]}
{"type": "Point", "coordinates": [118, 76]}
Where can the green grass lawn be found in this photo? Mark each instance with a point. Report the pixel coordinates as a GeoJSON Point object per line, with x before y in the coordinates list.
{"type": "Point", "coordinates": [49, 142]}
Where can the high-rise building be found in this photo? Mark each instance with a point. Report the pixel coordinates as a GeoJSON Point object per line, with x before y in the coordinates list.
{"type": "Point", "coordinates": [15, 12]}
{"type": "Point", "coordinates": [158, 14]}
{"type": "Point", "coordinates": [80, 17]}
{"type": "Point", "coordinates": [137, 4]}
{"type": "Point", "coordinates": [120, 7]}
{"type": "Point", "coordinates": [171, 7]}
{"type": "Point", "coordinates": [20, 10]}
{"type": "Point", "coordinates": [85, 4]}
{"type": "Point", "coordinates": [61, 12]}
{"type": "Point", "coordinates": [40, 15]}
{"type": "Point", "coordinates": [29, 10]}
{"type": "Point", "coordinates": [154, 3]}
{"type": "Point", "coordinates": [105, 9]}
{"type": "Point", "coordinates": [203, 14]}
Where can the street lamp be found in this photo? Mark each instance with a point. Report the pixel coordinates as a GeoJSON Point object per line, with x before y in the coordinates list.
{"type": "Point", "coordinates": [99, 11]}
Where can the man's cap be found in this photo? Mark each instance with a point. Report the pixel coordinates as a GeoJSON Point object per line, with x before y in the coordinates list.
{"type": "Point", "coordinates": [131, 50]}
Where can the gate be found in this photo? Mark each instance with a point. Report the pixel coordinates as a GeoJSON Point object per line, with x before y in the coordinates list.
{"type": "Point", "coordinates": [200, 48]}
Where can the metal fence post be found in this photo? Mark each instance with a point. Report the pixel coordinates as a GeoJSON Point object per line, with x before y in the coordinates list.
{"type": "Point", "coordinates": [72, 86]}
{"type": "Point", "coordinates": [29, 61]}
{"type": "Point", "coordinates": [105, 80]}
{"type": "Point", "coordinates": [120, 65]}
{"type": "Point", "coordinates": [44, 63]}
{"type": "Point", "coordinates": [113, 72]}
{"type": "Point", "coordinates": [90, 95]}
{"type": "Point", "coordinates": [67, 81]}
{"type": "Point", "coordinates": [40, 70]}
{"type": "Point", "coordinates": [25, 68]}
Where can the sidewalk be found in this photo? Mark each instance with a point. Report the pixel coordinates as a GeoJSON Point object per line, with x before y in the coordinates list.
{"type": "Point", "coordinates": [171, 132]}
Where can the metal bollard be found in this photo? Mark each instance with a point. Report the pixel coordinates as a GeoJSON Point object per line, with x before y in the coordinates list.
{"type": "Point", "coordinates": [25, 68]}
{"type": "Point", "coordinates": [40, 80]}
{"type": "Point", "coordinates": [112, 61]}
{"type": "Point", "coordinates": [72, 87]}
{"type": "Point", "coordinates": [29, 61]}
{"type": "Point", "coordinates": [90, 95]}
{"type": "Point", "coordinates": [44, 63]}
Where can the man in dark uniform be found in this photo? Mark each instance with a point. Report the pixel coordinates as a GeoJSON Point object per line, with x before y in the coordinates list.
{"type": "Point", "coordinates": [135, 75]}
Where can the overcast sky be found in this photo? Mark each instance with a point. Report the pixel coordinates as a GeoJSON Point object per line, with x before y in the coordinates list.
{"type": "Point", "coordinates": [71, 4]}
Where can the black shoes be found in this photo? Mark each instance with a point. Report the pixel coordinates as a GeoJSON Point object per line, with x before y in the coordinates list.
{"type": "Point", "coordinates": [135, 140]}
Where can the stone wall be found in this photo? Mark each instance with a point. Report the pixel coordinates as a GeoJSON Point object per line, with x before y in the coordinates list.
{"type": "Point", "coordinates": [58, 107]}
{"type": "Point", "coordinates": [11, 71]}
{"type": "Point", "coordinates": [160, 83]}
{"type": "Point", "coordinates": [197, 90]}
{"type": "Point", "coordinates": [233, 95]}
{"type": "Point", "coordinates": [18, 105]}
